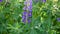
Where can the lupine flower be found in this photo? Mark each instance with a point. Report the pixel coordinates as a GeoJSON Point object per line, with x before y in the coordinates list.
{"type": "Point", "coordinates": [27, 11]}
{"type": "Point", "coordinates": [25, 8]}
{"type": "Point", "coordinates": [24, 20]}
{"type": "Point", "coordinates": [30, 14]}
{"type": "Point", "coordinates": [24, 13]}
{"type": "Point", "coordinates": [30, 10]}
{"type": "Point", "coordinates": [29, 21]}
{"type": "Point", "coordinates": [43, 0]}
{"type": "Point", "coordinates": [0, 0]}
{"type": "Point", "coordinates": [25, 3]}
{"type": "Point", "coordinates": [29, 7]}
{"type": "Point", "coordinates": [58, 19]}
{"type": "Point", "coordinates": [24, 16]}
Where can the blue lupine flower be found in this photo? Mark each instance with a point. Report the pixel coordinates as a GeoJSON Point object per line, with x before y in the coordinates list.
{"type": "Point", "coordinates": [24, 16]}
{"type": "Point", "coordinates": [25, 3]}
{"type": "Point", "coordinates": [25, 8]}
{"type": "Point", "coordinates": [29, 21]}
{"type": "Point", "coordinates": [30, 10]}
{"type": "Point", "coordinates": [29, 7]}
{"type": "Point", "coordinates": [24, 13]}
{"type": "Point", "coordinates": [43, 0]}
{"type": "Point", "coordinates": [58, 19]}
{"type": "Point", "coordinates": [24, 20]}
{"type": "Point", "coordinates": [0, 0]}
{"type": "Point", "coordinates": [30, 14]}
{"type": "Point", "coordinates": [27, 11]}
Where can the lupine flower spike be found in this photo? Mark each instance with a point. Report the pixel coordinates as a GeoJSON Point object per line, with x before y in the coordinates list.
{"type": "Point", "coordinates": [27, 14]}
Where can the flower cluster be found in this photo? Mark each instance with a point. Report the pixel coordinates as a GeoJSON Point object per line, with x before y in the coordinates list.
{"type": "Point", "coordinates": [0, 0]}
{"type": "Point", "coordinates": [58, 19]}
{"type": "Point", "coordinates": [27, 14]}
{"type": "Point", "coordinates": [43, 0]}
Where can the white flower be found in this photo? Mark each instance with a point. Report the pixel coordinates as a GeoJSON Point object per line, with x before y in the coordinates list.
{"type": "Point", "coordinates": [36, 27]}
{"type": "Point", "coordinates": [55, 7]}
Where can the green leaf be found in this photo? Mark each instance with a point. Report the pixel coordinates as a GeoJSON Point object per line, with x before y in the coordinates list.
{"type": "Point", "coordinates": [33, 31]}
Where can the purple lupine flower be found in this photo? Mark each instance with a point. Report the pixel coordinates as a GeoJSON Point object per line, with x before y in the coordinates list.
{"type": "Point", "coordinates": [29, 7]}
{"type": "Point", "coordinates": [58, 19]}
{"type": "Point", "coordinates": [25, 3]}
{"type": "Point", "coordinates": [30, 10]}
{"type": "Point", "coordinates": [0, 0]}
{"type": "Point", "coordinates": [24, 13]}
{"type": "Point", "coordinates": [25, 8]}
{"type": "Point", "coordinates": [24, 20]}
{"type": "Point", "coordinates": [24, 16]}
{"type": "Point", "coordinates": [30, 14]}
{"type": "Point", "coordinates": [43, 0]}
{"type": "Point", "coordinates": [27, 11]}
{"type": "Point", "coordinates": [29, 21]}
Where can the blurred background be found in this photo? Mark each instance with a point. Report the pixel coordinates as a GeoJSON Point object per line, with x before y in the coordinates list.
{"type": "Point", "coordinates": [45, 17]}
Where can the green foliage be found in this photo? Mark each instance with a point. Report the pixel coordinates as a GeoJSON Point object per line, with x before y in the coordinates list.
{"type": "Point", "coordinates": [44, 18]}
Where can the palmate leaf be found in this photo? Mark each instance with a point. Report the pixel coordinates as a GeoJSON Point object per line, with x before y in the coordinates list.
{"type": "Point", "coordinates": [33, 31]}
{"type": "Point", "coordinates": [15, 28]}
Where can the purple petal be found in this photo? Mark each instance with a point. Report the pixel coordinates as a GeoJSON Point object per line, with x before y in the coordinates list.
{"type": "Point", "coordinates": [30, 10]}
{"type": "Point", "coordinates": [58, 19]}
{"type": "Point", "coordinates": [24, 13]}
{"type": "Point", "coordinates": [23, 17]}
{"type": "Point", "coordinates": [44, 0]}
{"type": "Point", "coordinates": [30, 14]}
{"type": "Point", "coordinates": [25, 3]}
{"type": "Point", "coordinates": [29, 21]}
{"type": "Point", "coordinates": [29, 7]}
{"type": "Point", "coordinates": [0, 0]}
{"type": "Point", "coordinates": [23, 20]}
{"type": "Point", "coordinates": [25, 8]}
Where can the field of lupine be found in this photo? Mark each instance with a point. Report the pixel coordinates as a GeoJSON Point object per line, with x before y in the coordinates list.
{"type": "Point", "coordinates": [29, 16]}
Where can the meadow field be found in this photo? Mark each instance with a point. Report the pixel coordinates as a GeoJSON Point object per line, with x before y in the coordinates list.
{"type": "Point", "coordinates": [29, 16]}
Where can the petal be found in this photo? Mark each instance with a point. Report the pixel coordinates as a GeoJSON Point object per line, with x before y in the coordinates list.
{"type": "Point", "coordinates": [25, 3]}
{"type": "Point", "coordinates": [25, 8]}
{"type": "Point", "coordinates": [29, 21]}
{"type": "Point", "coordinates": [24, 13]}
{"type": "Point", "coordinates": [58, 19]}
{"type": "Point", "coordinates": [30, 14]}
{"type": "Point", "coordinates": [0, 0]}
{"type": "Point", "coordinates": [23, 20]}
{"type": "Point", "coordinates": [44, 0]}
